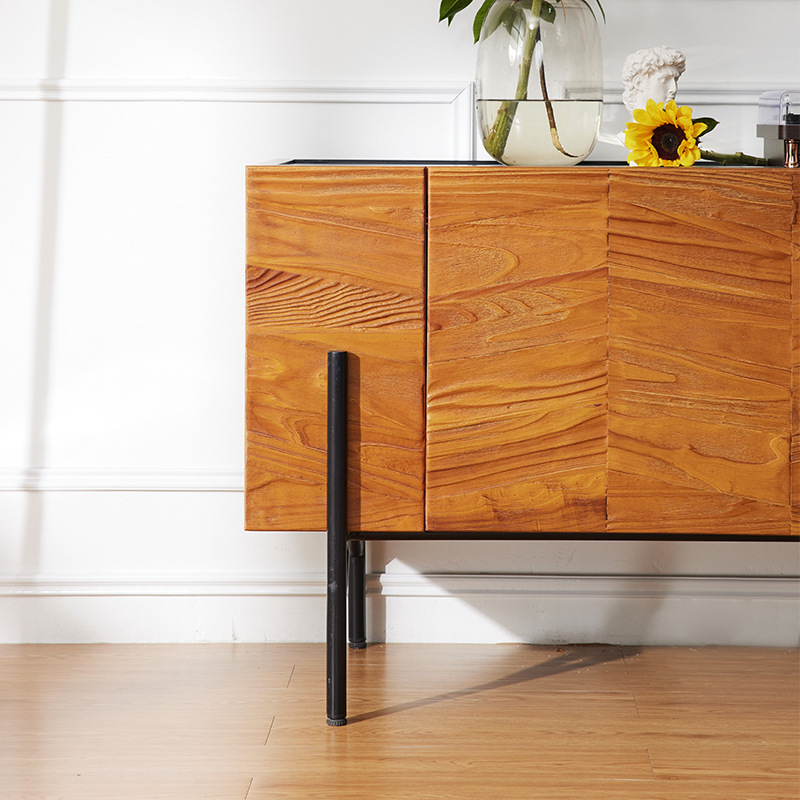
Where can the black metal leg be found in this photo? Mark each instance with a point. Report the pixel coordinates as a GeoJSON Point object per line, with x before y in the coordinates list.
{"type": "Point", "coordinates": [337, 539]}
{"type": "Point", "coordinates": [357, 595]}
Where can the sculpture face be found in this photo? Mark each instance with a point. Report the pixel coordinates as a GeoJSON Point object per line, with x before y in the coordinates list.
{"type": "Point", "coordinates": [659, 86]}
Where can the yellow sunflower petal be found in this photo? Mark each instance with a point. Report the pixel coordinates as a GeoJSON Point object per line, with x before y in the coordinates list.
{"type": "Point", "coordinates": [688, 154]}
{"type": "Point", "coordinates": [634, 140]}
{"type": "Point", "coordinates": [648, 158]}
{"type": "Point", "coordinates": [644, 127]}
{"type": "Point", "coordinates": [635, 155]}
{"type": "Point", "coordinates": [653, 114]}
{"type": "Point", "coordinates": [638, 135]}
{"type": "Point", "coordinates": [654, 108]}
{"type": "Point", "coordinates": [642, 116]}
{"type": "Point", "coordinates": [671, 112]}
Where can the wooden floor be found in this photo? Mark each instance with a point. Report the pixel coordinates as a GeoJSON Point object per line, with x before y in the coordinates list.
{"type": "Point", "coordinates": [246, 722]}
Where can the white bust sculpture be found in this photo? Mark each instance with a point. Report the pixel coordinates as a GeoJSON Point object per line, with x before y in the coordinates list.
{"type": "Point", "coordinates": [651, 74]}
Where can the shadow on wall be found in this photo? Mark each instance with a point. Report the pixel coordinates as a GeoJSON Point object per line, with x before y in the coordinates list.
{"type": "Point", "coordinates": [58, 23]}
{"type": "Point", "coordinates": [630, 593]}
{"type": "Point", "coordinates": [542, 601]}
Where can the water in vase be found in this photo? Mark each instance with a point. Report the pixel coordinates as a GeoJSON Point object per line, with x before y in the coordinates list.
{"type": "Point", "coordinates": [530, 141]}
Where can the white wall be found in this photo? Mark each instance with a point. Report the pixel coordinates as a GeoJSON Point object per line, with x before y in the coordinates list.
{"type": "Point", "coordinates": [125, 128]}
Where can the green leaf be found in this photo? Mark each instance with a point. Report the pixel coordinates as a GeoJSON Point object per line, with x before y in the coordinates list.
{"type": "Point", "coordinates": [548, 12]}
{"type": "Point", "coordinates": [709, 121]}
{"type": "Point", "coordinates": [513, 20]}
{"type": "Point", "coordinates": [449, 8]}
{"type": "Point", "coordinates": [480, 17]}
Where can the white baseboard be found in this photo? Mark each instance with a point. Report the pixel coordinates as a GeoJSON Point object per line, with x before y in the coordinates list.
{"type": "Point", "coordinates": [584, 586]}
{"type": "Point", "coordinates": [295, 584]}
{"type": "Point", "coordinates": [642, 610]}
{"type": "Point", "coordinates": [406, 608]}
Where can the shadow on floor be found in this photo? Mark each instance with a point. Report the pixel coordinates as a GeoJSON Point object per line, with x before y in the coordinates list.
{"type": "Point", "coordinates": [567, 659]}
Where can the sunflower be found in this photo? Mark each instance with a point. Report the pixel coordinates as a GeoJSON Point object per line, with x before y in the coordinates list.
{"type": "Point", "coordinates": [663, 135]}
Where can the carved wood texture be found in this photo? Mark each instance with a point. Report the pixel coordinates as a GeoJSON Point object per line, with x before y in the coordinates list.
{"type": "Point", "coordinates": [700, 395]}
{"type": "Point", "coordinates": [335, 261]}
{"type": "Point", "coordinates": [607, 350]}
{"type": "Point", "coordinates": [517, 350]}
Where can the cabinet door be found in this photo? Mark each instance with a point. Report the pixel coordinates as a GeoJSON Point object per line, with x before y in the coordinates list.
{"type": "Point", "coordinates": [335, 261]}
{"type": "Point", "coordinates": [700, 344]}
{"type": "Point", "coordinates": [517, 350]}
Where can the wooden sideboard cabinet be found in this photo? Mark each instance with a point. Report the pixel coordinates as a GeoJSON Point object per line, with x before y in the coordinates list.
{"type": "Point", "coordinates": [578, 350]}
{"type": "Point", "coordinates": [463, 351]}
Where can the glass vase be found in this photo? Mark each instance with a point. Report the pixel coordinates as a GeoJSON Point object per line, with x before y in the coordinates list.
{"type": "Point", "coordinates": [539, 82]}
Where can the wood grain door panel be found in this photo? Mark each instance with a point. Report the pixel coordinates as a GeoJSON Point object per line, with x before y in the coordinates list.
{"type": "Point", "coordinates": [516, 350]}
{"type": "Point", "coordinates": [335, 262]}
{"type": "Point", "coordinates": [699, 351]}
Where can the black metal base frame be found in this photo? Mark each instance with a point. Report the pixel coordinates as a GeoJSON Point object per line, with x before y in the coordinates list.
{"type": "Point", "coordinates": [346, 594]}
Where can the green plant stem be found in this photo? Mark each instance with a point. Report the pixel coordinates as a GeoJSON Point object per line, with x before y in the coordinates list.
{"type": "Point", "coordinates": [551, 117]}
{"type": "Point", "coordinates": [501, 127]}
{"type": "Point", "coordinates": [733, 158]}
{"type": "Point", "coordinates": [497, 138]}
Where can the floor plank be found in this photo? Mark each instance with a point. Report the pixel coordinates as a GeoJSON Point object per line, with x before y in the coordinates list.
{"type": "Point", "coordinates": [246, 722]}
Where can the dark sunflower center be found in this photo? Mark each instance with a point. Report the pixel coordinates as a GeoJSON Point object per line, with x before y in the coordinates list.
{"type": "Point", "coordinates": [666, 140]}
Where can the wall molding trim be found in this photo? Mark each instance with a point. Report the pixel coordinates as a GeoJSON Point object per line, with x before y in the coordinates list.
{"type": "Point", "coordinates": [459, 97]}
{"type": "Point", "coordinates": [726, 94]}
{"type": "Point", "coordinates": [258, 91]}
{"type": "Point", "coordinates": [96, 479]}
{"type": "Point", "coordinates": [226, 91]}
